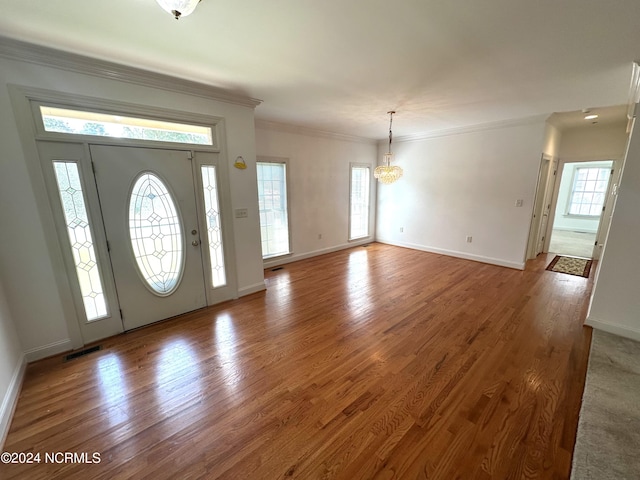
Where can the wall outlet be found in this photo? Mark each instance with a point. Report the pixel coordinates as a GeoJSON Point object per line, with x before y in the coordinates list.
{"type": "Point", "coordinates": [469, 239]}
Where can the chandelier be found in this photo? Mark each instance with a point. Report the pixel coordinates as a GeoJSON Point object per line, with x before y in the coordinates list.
{"type": "Point", "coordinates": [386, 173]}
{"type": "Point", "coordinates": [178, 8]}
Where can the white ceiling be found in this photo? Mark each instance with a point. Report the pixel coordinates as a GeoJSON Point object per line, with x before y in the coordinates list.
{"type": "Point", "coordinates": [340, 65]}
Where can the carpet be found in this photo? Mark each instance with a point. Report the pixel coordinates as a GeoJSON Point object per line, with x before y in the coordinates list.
{"type": "Point", "coordinates": [609, 425]}
{"type": "Point", "coordinates": [571, 265]}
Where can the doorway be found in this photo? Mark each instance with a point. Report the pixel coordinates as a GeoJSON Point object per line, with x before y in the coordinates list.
{"type": "Point", "coordinates": [581, 200]}
{"type": "Point", "coordinates": [144, 232]}
{"type": "Point", "coordinates": [148, 204]}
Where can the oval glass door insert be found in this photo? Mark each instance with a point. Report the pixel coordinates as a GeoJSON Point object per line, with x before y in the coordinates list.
{"type": "Point", "coordinates": [156, 234]}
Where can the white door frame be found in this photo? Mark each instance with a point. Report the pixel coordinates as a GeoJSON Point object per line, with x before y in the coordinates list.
{"type": "Point", "coordinates": [25, 101]}
{"type": "Point", "coordinates": [556, 190]}
{"type": "Point", "coordinates": [546, 177]}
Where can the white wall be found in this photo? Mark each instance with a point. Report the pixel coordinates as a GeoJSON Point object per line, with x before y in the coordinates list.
{"type": "Point", "coordinates": [562, 221]}
{"type": "Point", "coordinates": [318, 185]}
{"type": "Point", "coordinates": [462, 185]}
{"type": "Point", "coordinates": [593, 142]}
{"type": "Point", "coordinates": [615, 302]}
{"type": "Point", "coordinates": [552, 140]}
{"type": "Point", "coordinates": [11, 366]}
{"type": "Point", "coordinates": [26, 264]}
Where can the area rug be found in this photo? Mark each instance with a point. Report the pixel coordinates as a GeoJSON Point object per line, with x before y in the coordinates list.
{"type": "Point", "coordinates": [571, 265]}
{"type": "Point", "coordinates": [609, 426]}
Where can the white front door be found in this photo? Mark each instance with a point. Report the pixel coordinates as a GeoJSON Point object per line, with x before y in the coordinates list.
{"type": "Point", "coordinates": [148, 204]}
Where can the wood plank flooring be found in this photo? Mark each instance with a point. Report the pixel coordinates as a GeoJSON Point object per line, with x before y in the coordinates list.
{"type": "Point", "coordinates": [373, 362]}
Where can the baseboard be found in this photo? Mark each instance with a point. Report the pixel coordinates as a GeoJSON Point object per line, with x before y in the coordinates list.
{"type": "Point", "coordinates": [301, 256]}
{"type": "Point", "coordinates": [10, 400]}
{"type": "Point", "coordinates": [256, 287]}
{"type": "Point", "coordinates": [48, 350]}
{"type": "Point", "coordinates": [620, 330]}
{"type": "Point", "coordinates": [575, 230]}
{"type": "Point", "coordinates": [454, 253]}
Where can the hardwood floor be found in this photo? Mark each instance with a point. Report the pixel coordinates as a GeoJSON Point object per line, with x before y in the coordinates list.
{"type": "Point", "coordinates": [373, 362]}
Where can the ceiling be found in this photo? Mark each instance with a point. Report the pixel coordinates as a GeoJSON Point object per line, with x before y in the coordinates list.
{"type": "Point", "coordinates": [339, 66]}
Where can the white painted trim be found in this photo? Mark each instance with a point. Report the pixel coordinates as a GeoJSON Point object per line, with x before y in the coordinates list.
{"type": "Point", "coordinates": [256, 287]}
{"type": "Point", "coordinates": [302, 256]}
{"type": "Point", "coordinates": [10, 400]}
{"type": "Point", "coordinates": [49, 350]}
{"type": "Point", "coordinates": [574, 229]}
{"type": "Point", "coordinates": [311, 132]}
{"type": "Point", "coordinates": [454, 253]}
{"type": "Point", "coordinates": [619, 330]}
{"type": "Point", "coordinates": [634, 90]}
{"type": "Point", "coordinates": [471, 128]}
{"type": "Point", "coordinates": [30, 53]}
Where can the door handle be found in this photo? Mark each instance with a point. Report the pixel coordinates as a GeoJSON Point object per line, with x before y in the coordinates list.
{"type": "Point", "coordinates": [195, 243]}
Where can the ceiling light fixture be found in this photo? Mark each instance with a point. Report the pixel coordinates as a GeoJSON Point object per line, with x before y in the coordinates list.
{"type": "Point", "coordinates": [386, 173]}
{"type": "Point", "coordinates": [593, 116]}
{"type": "Point", "coordinates": [178, 8]}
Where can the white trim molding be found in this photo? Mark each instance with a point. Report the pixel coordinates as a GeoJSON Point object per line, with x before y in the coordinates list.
{"type": "Point", "coordinates": [454, 253]}
{"type": "Point", "coordinates": [481, 127]}
{"type": "Point", "coordinates": [37, 54]}
{"type": "Point", "coordinates": [256, 287]}
{"type": "Point", "coordinates": [10, 400]}
{"type": "Point", "coordinates": [620, 330]}
{"type": "Point", "coordinates": [301, 256]}
{"type": "Point", "coordinates": [49, 350]}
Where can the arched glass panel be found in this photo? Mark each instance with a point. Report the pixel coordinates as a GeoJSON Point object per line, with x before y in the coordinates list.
{"type": "Point", "coordinates": [156, 234]}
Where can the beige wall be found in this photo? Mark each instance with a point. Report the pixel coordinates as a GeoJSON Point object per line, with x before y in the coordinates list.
{"type": "Point", "coordinates": [462, 185]}
{"type": "Point", "coordinates": [615, 301]}
{"type": "Point", "coordinates": [11, 364]}
{"type": "Point", "coordinates": [318, 185]}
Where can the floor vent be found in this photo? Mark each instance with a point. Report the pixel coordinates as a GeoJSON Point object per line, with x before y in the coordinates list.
{"type": "Point", "coordinates": [277, 268]}
{"type": "Point", "coordinates": [80, 353]}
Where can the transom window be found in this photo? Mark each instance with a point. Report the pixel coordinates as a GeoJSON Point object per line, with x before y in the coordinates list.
{"type": "Point", "coordinates": [589, 190]}
{"type": "Point", "coordinates": [80, 122]}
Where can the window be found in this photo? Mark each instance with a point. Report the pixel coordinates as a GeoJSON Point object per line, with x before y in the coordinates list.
{"type": "Point", "coordinates": [214, 226]}
{"type": "Point", "coordinates": [359, 201]}
{"type": "Point", "coordinates": [589, 190]}
{"type": "Point", "coordinates": [272, 203]}
{"type": "Point", "coordinates": [156, 234]}
{"type": "Point", "coordinates": [79, 122]}
{"type": "Point", "coordinates": [80, 238]}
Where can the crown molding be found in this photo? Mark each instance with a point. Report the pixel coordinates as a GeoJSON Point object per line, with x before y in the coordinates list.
{"type": "Point", "coordinates": [27, 52]}
{"type": "Point", "coordinates": [312, 132]}
{"type": "Point", "coordinates": [472, 128]}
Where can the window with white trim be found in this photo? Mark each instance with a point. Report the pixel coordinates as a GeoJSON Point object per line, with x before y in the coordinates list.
{"type": "Point", "coordinates": [359, 201]}
{"type": "Point", "coordinates": [82, 122]}
{"type": "Point", "coordinates": [73, 202]}
{"type": "Point", "coordinates": [588, 191]}
{"type": "Point", "coordinates": [272, 204]}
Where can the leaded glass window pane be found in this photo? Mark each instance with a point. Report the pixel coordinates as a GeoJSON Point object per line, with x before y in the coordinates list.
{"type": "Point", "coordinates": [156, 234]}
{"type": "Point", "coordinates": [214, 227]}
{"type": "Point", "coordinates": [80, 238]}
